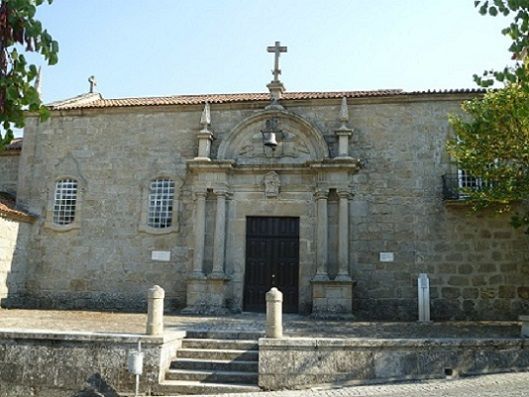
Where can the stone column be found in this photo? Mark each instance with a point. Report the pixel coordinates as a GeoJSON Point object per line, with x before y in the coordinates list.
{"type": "Point", "coordinates": [220, 236]}
{"type": "Point", "coordinates": [321, 235]}
{"type": "Point", "coordinates": [343, 236]}
{"type": "Point", "coordinates": [200, 233]}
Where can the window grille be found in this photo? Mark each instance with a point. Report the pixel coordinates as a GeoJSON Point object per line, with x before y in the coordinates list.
{"type": "Point", "coordinates": [65, 201]}
{"type": "Point", "coordinates": [465, 180]}
{"type": "Point", "coordinates": [161, 195]}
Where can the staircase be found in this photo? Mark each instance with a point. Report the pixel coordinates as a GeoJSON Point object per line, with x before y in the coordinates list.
{"type": "Point", "coordinates": [214, 362]}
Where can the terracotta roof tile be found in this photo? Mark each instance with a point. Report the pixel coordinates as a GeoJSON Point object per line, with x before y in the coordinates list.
{"type": "Point", "coordinates": [14, 145]}
{"type": "Point", "coordinates": [96, 101]}
{"type": "Point", "coordinates": [9, 210]}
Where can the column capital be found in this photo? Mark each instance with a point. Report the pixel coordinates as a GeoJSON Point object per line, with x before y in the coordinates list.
{"type": "Point", "coordinates": [344, 193]}
{"type": "Point", "coordinates": [347, 132]}
{"type": "Point", "coordinates": [205, 135]}
{"type": "Point", "coordinates": [221, 190]}
{"type": "Point", "coordinates": [200, 193]}
{"type": "Point", "coordinates": [321, 194]}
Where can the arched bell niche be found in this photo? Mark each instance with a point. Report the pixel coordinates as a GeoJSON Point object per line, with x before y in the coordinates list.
{"type": "Point", "coordinates": [298, 141]}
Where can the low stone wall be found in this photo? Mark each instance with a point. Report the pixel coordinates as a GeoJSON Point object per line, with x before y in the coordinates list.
{"type": "Point", "coordinates": [59, 364]}
{"type": "Point", "coordinates": [301, 362]}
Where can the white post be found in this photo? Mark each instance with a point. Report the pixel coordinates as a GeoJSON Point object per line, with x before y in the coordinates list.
{"type": "Point", "coordinates": [155, 310]}
{"type": "Point", "coordinates": [423, 284]}
{"type": "Point", "coordinates": [274, 308]}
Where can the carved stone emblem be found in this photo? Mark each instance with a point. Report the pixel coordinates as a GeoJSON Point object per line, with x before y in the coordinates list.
{"type": "Point", "coordinates": [271, 184]}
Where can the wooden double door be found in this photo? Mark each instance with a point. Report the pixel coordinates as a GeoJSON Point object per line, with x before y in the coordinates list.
{"type": "Point", "coordinates": [272, 260]}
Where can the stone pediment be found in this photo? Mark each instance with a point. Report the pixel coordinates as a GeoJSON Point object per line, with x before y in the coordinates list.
{"type": "Point", "coordinates": [298, 141]}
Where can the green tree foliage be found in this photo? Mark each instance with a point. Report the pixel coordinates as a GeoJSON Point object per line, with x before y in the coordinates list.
{"type": "Point", "coordinates": [492, 138]}
{"type": "Point", "coordinates": [517, 31]}
{"type": "Point", "coordinates": [20, 32]}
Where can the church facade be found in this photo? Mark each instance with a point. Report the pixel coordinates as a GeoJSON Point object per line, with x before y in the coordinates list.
{"type": "Point", "coordinates": [336, 198]}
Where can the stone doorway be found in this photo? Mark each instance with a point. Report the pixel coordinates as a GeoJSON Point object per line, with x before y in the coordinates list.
{"type": "Point", "coordinates": [272, 260]}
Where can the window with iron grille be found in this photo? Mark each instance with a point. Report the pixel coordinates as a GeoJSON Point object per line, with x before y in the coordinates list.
{"type": "Point", "coordinates": [65, 201]}
{"type": "Point", "coordinates": [465, 180]}
{"type": "Point", "coordinates": [161, 195]}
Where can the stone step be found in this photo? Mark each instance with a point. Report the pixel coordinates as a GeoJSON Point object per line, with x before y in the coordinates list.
{"type": "Point", "coordinates": [212, 354]}
{"type": "Point", "coordinates": [215, 365]}
{"type": "Point", "coordinates": [207, 334]}
{"type": "Point", "coordinates": [177, 387]}
{"type": "Point", "coordinates": [220, 344]}
{"type": "Point", "coordinates": [246, 378]}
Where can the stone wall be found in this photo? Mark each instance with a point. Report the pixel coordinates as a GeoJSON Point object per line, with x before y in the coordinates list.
{"type": "Point", "coordinates": [62, 364]}
{"type": "Point", "coordinates": [478, 264]}
{"type": "Point", "coordinates": [9, 172]}
{"type": "Point", "coordinates": [302, 362]}
{"type": "Point", "coordinates": [13, 240]}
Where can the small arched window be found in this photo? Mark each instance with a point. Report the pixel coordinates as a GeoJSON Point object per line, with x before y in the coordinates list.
{"type": "Point", "coordinates": [65, 201]}
{"type": "Point", "coordinates": [161, 196]}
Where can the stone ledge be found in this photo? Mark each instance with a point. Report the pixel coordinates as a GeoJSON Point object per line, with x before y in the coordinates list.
{"type": "Point", "coordinates": [312, 343]}
{"type": "Point", "coordinates": [91, 336]}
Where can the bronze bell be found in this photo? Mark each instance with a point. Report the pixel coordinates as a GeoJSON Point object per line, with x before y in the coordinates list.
{"type": "Point", "coordinates": [269, 139]}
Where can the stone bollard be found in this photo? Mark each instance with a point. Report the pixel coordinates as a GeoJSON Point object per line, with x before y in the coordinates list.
{"type": "Point", "coordinates": [274, 313]}
{"type": "Point", "coordinates": [525, 326]}
{"type": "Point", "coordinates": [155, 310]}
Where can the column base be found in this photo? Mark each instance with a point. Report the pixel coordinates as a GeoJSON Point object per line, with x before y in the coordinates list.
{"type": "Point", "coordinates": [332, 298]}
{"type": "Point", "coordinates": [206, 295]}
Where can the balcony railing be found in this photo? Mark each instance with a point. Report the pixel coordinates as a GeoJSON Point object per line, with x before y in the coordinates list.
{"type": "Point", "coordinates": [455, 184]}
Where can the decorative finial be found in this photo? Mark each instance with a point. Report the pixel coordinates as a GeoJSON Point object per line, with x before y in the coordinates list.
{"type": "Point", "coordinates": [344, 114]}
{"type": "Point", "coordinates": [93, 83]}
{"type": "Point", "coordinates": [205, 119]}
{"type": "Point", "coordinates": [37, 85]}
{"type": "Point", "coordinates": [277, 49]}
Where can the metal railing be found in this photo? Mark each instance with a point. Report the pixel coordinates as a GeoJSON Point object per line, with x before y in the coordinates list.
{"type": "Point", "coordinates": [454, 185]}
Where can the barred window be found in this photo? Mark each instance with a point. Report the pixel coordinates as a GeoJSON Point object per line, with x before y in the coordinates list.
{"type": "Point", "coordinates": [161, 194]}
{"type": "Point", "coordinates": [465, 180]}
{"type": "Point", "coordinates": [65, 201]}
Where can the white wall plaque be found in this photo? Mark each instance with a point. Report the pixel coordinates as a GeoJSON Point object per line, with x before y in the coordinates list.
{"type": "Point", "coordinates": [163, 256]}
{"type": "Point", "coordinates": [387, 257]}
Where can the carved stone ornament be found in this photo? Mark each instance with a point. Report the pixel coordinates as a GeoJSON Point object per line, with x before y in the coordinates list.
{"type": "Point", "coordinates": [271, 184]}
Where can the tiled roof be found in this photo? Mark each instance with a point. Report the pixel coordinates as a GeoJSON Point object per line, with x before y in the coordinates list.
{"type": "Point", "coordinates": [14, 145]}
{"type": "Point", "coordinates": [9, 210]}
{"type": "Point", "coordinates": [97, 101]}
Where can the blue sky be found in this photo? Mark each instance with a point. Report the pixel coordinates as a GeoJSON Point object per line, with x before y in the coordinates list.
{"type": "Point", "coordinates": [167, 47]}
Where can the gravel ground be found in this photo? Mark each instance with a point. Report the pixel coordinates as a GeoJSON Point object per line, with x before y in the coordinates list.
{"type": "Point", "coordinates": [294, 325]}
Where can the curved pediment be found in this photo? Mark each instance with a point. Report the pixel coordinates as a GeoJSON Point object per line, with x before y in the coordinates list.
{"type": "Point", "coordinates": [297, 141]}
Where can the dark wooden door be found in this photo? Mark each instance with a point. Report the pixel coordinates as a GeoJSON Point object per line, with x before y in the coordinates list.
{"type": "Point", "coordinates": [272, 260]}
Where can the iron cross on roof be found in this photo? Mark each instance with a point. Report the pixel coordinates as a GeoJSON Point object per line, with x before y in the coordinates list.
{"type": "Point", "coordinates": [277, 50]}
{"type": "Point", "coordinates": [92, 81]}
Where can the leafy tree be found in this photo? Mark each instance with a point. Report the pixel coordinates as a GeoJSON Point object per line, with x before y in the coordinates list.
{"type": "Point", "coordinates": [20, 32]}
{"type": "Point", "coordinates": [517, 31]}
{"type": "Point", "coordinates": [492, 138]}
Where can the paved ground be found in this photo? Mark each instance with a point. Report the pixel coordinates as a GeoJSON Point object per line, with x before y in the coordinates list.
{"type": "Point", "coordinates": [500, 385]}
{"type": "Point", "coordinates": [294, 325]}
